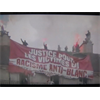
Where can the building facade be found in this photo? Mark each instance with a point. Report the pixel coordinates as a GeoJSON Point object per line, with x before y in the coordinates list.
{"type": "Point", "coordinates": [38, 78]}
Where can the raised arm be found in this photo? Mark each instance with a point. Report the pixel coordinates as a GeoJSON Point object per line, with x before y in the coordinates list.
{"type": "Point", "coordinates": [22, 41]}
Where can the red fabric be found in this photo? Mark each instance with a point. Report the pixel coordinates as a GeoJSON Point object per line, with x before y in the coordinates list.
{"type": "Point", "coordinates": [18, 51]}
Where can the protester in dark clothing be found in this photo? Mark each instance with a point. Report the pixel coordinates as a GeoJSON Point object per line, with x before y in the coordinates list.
{"type": "Point", "coordinates": [45, 46]}
{"type": "Point", "coordinates": [88, 33]}
{"type": "Point", "coordinates": [24, 42]}
{"type": "Point", "coordinates": [2, 30]}
{"type": "Point", "coordinates": [66, 48]}
{"type": "Point", "coordinates": [84, 80]}
{"type": "Point", "coordinates": [48, 81]}
{"type": "Point", "coordinates": [25, 81]}
{"type": "Point", "coordinates": [59, 48]}
{"type": "Point", "coordinates": [51, 82]}
{"type": "Point", "coordinates": [77, 47]}
{"type": "Point", "coordinates": [73, 48]}
{"type": "Point", "coordinates": [88, 36]}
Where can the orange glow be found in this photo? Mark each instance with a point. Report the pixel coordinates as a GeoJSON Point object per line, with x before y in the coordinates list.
{"type": "Point", "coordinates": [77, 40]}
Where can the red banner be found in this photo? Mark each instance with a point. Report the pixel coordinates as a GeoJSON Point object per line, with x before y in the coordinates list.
{"type": "Point", "coordinates": [28, 60]}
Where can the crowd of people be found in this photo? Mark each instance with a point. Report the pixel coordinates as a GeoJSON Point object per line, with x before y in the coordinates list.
{"type": "Point", "coordinates": [74, 49]}
{"type": "Point", "coordinates": [45, 45]}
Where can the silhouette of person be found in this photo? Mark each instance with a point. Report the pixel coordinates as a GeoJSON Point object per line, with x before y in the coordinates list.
{"type": "Point", "coordinates": [45, 46]}
{"type": "Point", "coordinates": [59, 48]}
{"type": "Point", "coordinates": [66, 48]}
{"type": "Point", "coordinates": [24, 42]}
{"type": "Point", "coordinates": [77, 47]}
{"type": "Point", "coordinates": [88, 36]}
{"type": "Point", "coordinates": [2, 30]}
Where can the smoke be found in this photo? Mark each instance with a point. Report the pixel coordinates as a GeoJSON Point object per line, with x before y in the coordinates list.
{"type": "Point", "coordinates": [57, 29]}
{"type": "Point", "coordinates": [19, 27]}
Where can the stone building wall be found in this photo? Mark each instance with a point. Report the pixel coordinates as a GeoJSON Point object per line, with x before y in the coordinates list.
{"type": "Point", "coordinates": [14, 78]}
{"type": "Point", "coordinates": [4, 76]}
{"type": "Point", "coordinates": [95, 80]}
{"type": "Point", "coordinates": [86, 47]}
